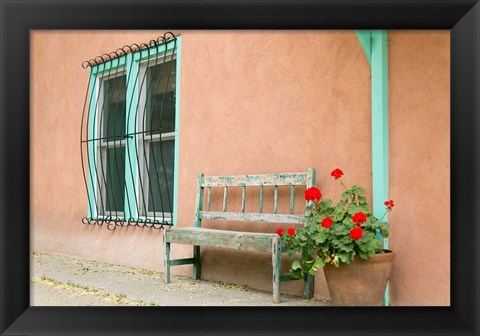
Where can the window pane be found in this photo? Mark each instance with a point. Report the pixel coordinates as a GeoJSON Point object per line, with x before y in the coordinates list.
{"type": "Point", "coordinates": [114, 95]}
{"type": "Point", "coordinates": [115, 176]}
{"type": "Point", "coordinates": [161, 160]}
{"type": "Point", "coordinates": [160, 107]}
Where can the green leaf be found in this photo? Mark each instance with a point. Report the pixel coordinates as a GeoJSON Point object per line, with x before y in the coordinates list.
{"type": "Point", "coordinates": [296, 273]}
{"type": "Point", "coordinates": [319, 237]}
{"type": "Point", "coordinates": [345, 257]}
{"type": "Point", "coordinates": [346, 247]}
{"type": "Point", "coordinates": [338, 214]}
{"type": "Point", "coordinates": [307, 258]}
{"type": "Point", "coordinates": [384, 228]}
{"type": "Point", "coordinates": [363, 255]}
{"type": "Point", "coordinates": [338, 217]}
{"type": "Point", "coordinates": [363, 208]}
{"type": "Point", "coordinates": [301, 236]}
{"type": "Point", "coordinates": [324, 204]}
{"type": "Point", "coordinates": [296, 265]}
{"type": "Point", "coordinates": [341, 232]}
{"type": "Point", "coordinates": [347, 221]}
{"type": "Point", "coordinates": [352, 208]}
{"type": "Point", "coordinates": [325, 248]}
{"type": "Point", "coordinates": [358, 190]}
{"type": "Point", "coordinates": [319, 263]}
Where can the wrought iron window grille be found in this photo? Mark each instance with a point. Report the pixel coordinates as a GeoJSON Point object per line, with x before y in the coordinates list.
{"type": "Point", "coordinates": [128, 134]}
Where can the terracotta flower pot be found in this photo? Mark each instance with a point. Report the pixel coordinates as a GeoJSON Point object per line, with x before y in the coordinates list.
{"type": "Point", "coordinates": [361, 283]}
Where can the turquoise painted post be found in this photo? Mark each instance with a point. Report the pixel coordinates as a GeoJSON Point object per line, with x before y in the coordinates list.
{"type": "Point", "coordinates": [365, 39]}
{"type": "Point", "coordinates": [131, 102]}
{"type": "Point", "coordinates": [379, 66]}
{"type": "Point", "coordinates": [375, 46]}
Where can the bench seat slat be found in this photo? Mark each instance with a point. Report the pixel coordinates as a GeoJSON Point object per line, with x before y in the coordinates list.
{"type": "Point", "coordinates": [252, 217]}
{"type": "Point", "coordinates": [252, 241]}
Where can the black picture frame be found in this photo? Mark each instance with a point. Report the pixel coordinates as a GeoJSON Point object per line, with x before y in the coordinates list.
{"type": "Point", "coordinates": [20, 16]}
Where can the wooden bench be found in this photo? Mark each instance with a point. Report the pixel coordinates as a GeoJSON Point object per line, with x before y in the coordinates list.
{"type": "Point", "coordinates": [251, 241]}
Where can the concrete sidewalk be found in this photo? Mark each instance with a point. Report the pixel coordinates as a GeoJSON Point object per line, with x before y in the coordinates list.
{"type": "Point", "coordinates": [64, 281]}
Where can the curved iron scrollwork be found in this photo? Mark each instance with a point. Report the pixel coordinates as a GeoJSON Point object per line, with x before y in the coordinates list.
{"type": "Point", "coordinates": [128, 49]}
{"type": "Point", "coordinates": [126, 135]}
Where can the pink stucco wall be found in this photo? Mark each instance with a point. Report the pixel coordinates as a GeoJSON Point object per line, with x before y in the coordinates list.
{"type": "Point", "coordinates": [259, 102]}
{"type": "Point", "coordinates": [420, 166]}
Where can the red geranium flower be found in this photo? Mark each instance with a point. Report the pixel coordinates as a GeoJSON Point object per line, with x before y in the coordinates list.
{"type": "Point", "coordinates": [356, 233]}
{"type": "Point", "coordinates": [337, 173]}
{"type": "Point", "coordinates": [313, 194]}
{"type": "Point", "coordinates": [359, 218]}
{"type": "Point", "coordinates": [389, 203]}
{"type": "Point", "coordinates": [327, 222]}
{"type": "Point", "coordinates": [291, 231]}
{"type": "Point", "coordinates": [279, 232]}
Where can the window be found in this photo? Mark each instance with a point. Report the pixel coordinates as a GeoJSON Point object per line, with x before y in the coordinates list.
{"type": "Point", "coordinates": [130, 136]}
{"type": "Point", "coordinates": [111, 147]}
{"type": "Point", "coordinates": [158, 138]}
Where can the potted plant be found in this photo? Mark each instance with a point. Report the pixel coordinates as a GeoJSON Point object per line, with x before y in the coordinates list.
{"type": "Point", "coordinates": [345, 240]}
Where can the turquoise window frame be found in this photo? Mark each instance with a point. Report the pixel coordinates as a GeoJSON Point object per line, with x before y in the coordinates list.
{"type": "Point", "coordinates": [131, 63]}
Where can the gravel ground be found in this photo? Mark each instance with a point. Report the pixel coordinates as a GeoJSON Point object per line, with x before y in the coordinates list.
{"type": "Point", "coordinates": [64, 281]}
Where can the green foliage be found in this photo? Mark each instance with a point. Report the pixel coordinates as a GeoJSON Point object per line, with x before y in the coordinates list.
{"type": "Point", "coordinates": [314, 246]}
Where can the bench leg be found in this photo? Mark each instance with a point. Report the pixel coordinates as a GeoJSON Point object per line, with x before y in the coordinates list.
{"type": "Point", "coordinates": [166, 261]}
{"type": "Point", "coordinates": [196, 265]}
{"type": "Point", "coordinates": [308, 287]}
{"type": "Point", "coordinates": [276, 263]}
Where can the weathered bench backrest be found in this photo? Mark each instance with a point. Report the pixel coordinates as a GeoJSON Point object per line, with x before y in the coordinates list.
{"type": "Point", "coordinates": [293, 180]}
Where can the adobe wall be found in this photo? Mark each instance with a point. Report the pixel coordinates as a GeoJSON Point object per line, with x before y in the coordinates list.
{"type": "Point", "coordinates": [258, 102]}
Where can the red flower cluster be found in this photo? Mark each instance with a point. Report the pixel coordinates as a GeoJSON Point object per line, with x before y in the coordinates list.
{"type": "Point", "coordinates": [389, 204]}
{"type": "Point", "coordinates": [290, 232]}
{"type": "Point", "coordinates": [359, 218]}
{"type": "Point", "coordinates": [337, 173]}
{"type": "Point", "coordinates": [327, 222]}
{"type": "Point", "coordinates": [356, 233]}
{"type": "Point", "coordinates": [313, 194]}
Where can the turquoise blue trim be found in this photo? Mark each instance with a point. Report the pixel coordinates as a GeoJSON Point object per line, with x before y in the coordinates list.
{"type": "Point", "coordinates": [380, 123]}
{"type": "Point", "coordinates": [93, 132]}
{"type": "Point", "coordinates": [378, 59]}
{"type": "Point", "coordinates": [146, 53]}
{"type": "Point", "coordinates": [379, 66]}
{"type": "Point", "coordinates": [110, 65]}
{"type": "Point", "coordinates": [177, 130]}
{"type": "Point", "coordinates": [92, 211]}
{"type": "Point", "coordinates": [131, 164]}
{"type": "Point", "coordinates": [365, 39]}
